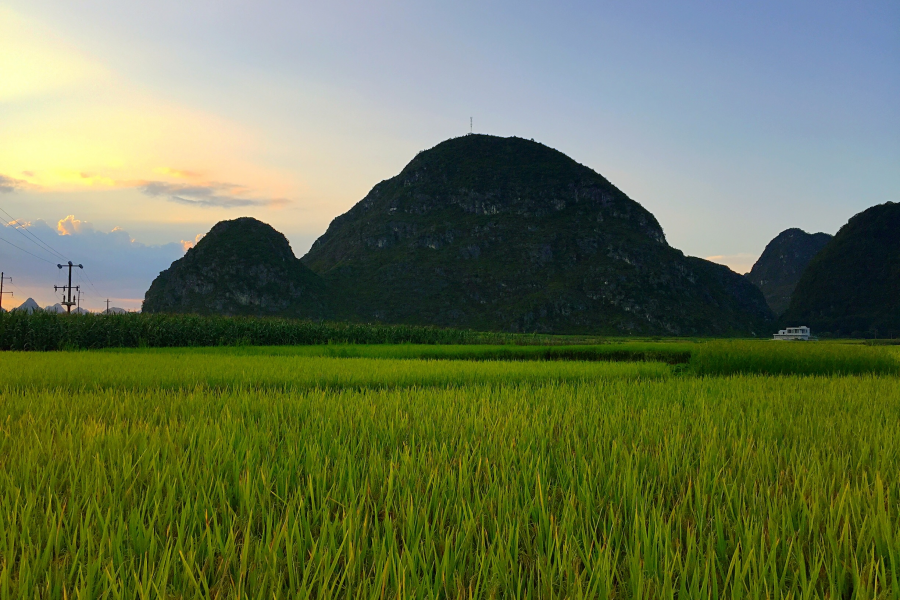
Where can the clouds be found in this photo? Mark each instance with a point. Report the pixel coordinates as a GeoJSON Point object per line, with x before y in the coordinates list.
{"type": "Point", "coordinates": [188, 244]}
{"type": "Point", "coordinates": [739, 263]}
{"type": "Point", "coordinates": [8, 184]}
{"type": "Point", "coordinates": [72, 226]}
{"type": "Point", "coordinates": [115, 265]}
{"type": "Point", "coordinates": [203, 194]}
{"type": "Point", "coordinates": [212, 194]}
{"type": "Point", "coordinates": [176, 173]}
{"type": "Point", "coordinates": [74, 122]}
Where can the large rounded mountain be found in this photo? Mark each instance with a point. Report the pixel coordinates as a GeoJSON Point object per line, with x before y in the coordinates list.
{"type": "Point", "coordinates": [852, 287]}
{"type": "Point", "coordinates": [505, 233]}
{"type": "Point", "coordinates": [241, 267]}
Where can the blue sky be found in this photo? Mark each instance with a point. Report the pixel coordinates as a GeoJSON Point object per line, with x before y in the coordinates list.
{"type": "Point", "coordinates": [729, 121]}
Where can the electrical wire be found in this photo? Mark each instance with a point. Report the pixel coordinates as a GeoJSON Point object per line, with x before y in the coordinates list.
{"type": "Point", "coordinates": [23, 229]}
{"type": "Point", "coordinates": [25, 251]}
{"type": "Point", "coordinates": [99, 295]}
{"type": "Point", "coordinates": [92, 283]}
{"type": "Point", "coordinates": [34, 239]}
{"type": "Point", "coordinates": [83, 295]}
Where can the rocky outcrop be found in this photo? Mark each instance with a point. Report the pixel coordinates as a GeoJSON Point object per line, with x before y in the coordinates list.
{"type": "Point", "coordinates": [781, 264]}
{"type": "Point", "coordinates": [241, 267]}
{"type": "Point", "coordinates": [507, 234]}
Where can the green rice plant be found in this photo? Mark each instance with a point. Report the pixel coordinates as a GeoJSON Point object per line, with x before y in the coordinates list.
{"type": "Point", "coordinates": [188, 370]}
{"type": "Point", "coordinates": [606, 487]}
{"type": "Point", "coordinates": [781, 358]}
{"type": "Point", "coordinates": [668, 352]}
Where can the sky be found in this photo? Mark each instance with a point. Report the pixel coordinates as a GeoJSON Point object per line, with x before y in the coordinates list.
{"type": "Point", "coordinates": [128, 129]}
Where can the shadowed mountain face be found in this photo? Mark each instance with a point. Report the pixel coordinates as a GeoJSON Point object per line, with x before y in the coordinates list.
{"type": "Point", "coordinates": [241, 267]}
{"type": "Point", "coordinates": [507, 234]}
{"type": "Point", "coordinates": [781, 264]}
{"type": "Point", "coordinates": [852, 287]}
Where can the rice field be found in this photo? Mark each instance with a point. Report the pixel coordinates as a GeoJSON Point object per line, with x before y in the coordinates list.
{"type": "Point", "coordinates": [389, 472]}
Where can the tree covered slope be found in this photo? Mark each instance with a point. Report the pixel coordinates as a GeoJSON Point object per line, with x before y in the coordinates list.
{"type": "Point", "coordinates": [241, 267]}
{"type": "Point", "coordinates": [508, 234]}
{"type": "Point", "coordinates": [852, 287]}
{"type": "Point", "coordinates": [782, 263]}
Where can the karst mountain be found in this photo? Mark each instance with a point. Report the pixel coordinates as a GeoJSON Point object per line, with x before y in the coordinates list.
{"type": "Point", "coordinates": [241, 267]}
{"type": "Point", "coordinates": [487, 233]}
{"type": "Point", "coordinates": [782, 263]}
{"type": "Point", "coordinates": [852, 287]}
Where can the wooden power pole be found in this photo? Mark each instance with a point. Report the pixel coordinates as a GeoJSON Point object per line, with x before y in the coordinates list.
{"type": "Point", "coordinates": [2, 279]}
{"type": "Point", "coordinates": [67, 289]}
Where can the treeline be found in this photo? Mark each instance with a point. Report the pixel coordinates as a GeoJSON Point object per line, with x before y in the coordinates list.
{"type": "Point", "coordinates": [49, 331]}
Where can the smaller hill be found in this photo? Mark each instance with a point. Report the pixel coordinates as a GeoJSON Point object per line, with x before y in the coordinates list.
{"type": "Point", "coordinates": [781, 264]}
{"type": "Point", "coordinates": [852, 287]}
{"type": "Point", "coordinates": [241, 267]}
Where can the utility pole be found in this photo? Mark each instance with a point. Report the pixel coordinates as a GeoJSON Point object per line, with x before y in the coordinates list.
{"type": "Point", "coordinates": [79, 299]}
{"type": "Point", "coordinates": [107, 306]}
{"type": "Point", "coordinates": [2, 278]}
{"type": "Point", "coordinates": [67, 289]}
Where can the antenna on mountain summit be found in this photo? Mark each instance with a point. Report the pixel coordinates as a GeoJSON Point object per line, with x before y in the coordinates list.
{"type": "Point", "coordinates": [470, 125]}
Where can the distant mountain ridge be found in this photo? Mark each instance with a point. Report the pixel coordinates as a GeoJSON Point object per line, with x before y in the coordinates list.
{"type": "Point", "coordinates": [852, 287]}
{"type": "Point", "coordinates": [782, 263]}
{"type": "Point", "coordinates": [60, 309]}
{"type": "Point", "coordinates": [30, 306]}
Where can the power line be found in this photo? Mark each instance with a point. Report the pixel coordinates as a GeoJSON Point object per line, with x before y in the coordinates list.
{"type": "Point", "coordinates": [81, 284]}
{"type": "Point", "coordinates": [83, 272]}
{"type": "Point", "coordinates": [81, 280]}
{"type": "Point", "coordinates": [23, 230]}
{"type": "Point", "coordinates": [25, 251]}
{"type": "Point", "coordinates": [88, 277]}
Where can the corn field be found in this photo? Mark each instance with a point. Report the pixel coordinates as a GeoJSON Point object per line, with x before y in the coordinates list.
{"type": "Point", "coordinates": [50, 331]}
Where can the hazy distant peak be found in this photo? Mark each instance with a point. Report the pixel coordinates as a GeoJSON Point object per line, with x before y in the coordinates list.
{"type": "Point", "coordinates": [28, 306]}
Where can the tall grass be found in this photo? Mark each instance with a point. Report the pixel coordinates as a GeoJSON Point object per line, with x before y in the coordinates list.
{"type": "Point", "coordinates": [746, 486]}
{"type": "Point", "coordinates": [784, 358]}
